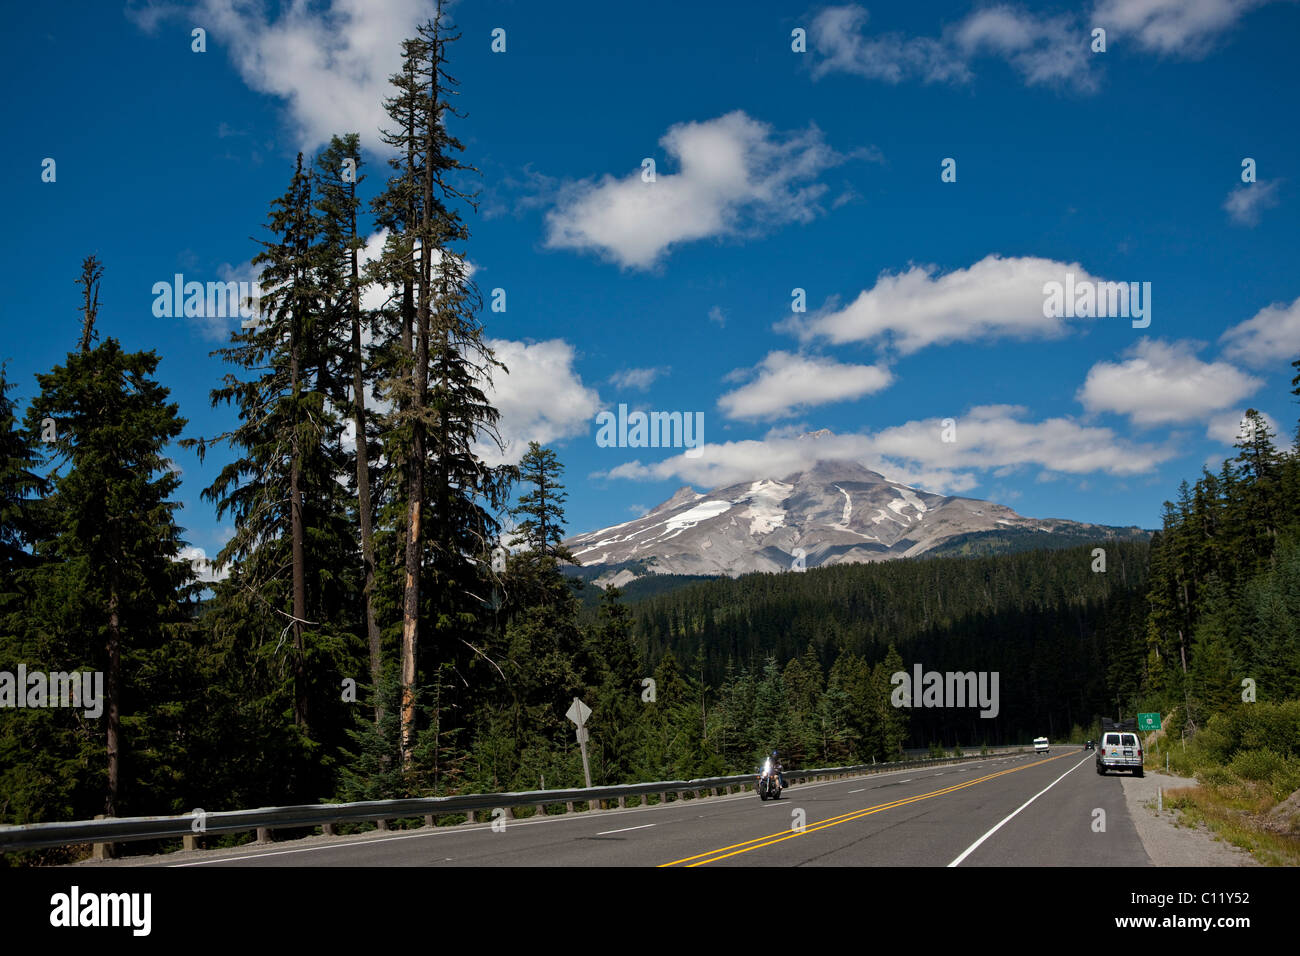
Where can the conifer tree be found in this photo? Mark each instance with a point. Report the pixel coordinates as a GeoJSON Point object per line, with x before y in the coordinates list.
{"type": "Point", "coordinates": [292, 548]}
{"type": "Point", "coordinates": [110, 581]}
{"type": "Point", "coordinates": [338, 173]}
{"type": "Point", "coordinates": [21, 488]}
{"type": "Point", "coordinates": [542, 506]}
{"type": "Point", "coordinates": [436, 380]}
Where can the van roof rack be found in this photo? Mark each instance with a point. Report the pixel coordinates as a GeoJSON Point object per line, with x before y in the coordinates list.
{"type": "Point", "coordinates": [1130, 724]}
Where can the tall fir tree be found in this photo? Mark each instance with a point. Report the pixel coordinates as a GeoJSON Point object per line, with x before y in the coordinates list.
{"type": "Point", "coordinates": [338, 174]}
{"type": "Point", "coordinates": [110, 584]}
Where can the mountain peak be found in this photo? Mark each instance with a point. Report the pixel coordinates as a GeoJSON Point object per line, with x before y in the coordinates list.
{"type": "Point", "coordinates": [836, 469]}
{"type": "Point", "coordinates": [682, 495]}
{"type": "Point", "coordinates": [834, 511]}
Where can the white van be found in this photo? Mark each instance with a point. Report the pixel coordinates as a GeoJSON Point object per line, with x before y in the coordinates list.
{"type": "Point", "coordinates": [1040, 745]}
{"type": "Point", "coordinates": [1119, 751]}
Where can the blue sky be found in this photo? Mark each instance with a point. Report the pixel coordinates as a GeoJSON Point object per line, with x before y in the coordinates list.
{"type": "Point", "coordinates": [774, 170]}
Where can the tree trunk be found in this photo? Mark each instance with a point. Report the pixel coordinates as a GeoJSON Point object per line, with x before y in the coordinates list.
{"type": "Point", "coordinates": [114, 742]}
{"type": "Point", "coordinates": [363, 476]}
{"type": "Point", "coordinates": [297, 534]}
{"type": "Point", "coordinates": [411, 606]}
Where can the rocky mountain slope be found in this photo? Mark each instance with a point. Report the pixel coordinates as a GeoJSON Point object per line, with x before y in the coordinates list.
{"type": "Point", "coordinates": [834, 512]}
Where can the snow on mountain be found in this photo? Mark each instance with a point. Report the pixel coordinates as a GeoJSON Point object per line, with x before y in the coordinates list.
{"type": "Point", "coordinates": [833, 512]}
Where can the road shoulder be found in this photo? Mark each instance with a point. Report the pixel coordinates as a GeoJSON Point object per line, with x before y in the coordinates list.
{"type": "Point", "coordinates": [1166, 837]}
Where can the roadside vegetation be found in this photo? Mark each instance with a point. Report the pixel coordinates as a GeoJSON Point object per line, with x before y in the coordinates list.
{"type": "Point", "coordinates": [1246, 767]}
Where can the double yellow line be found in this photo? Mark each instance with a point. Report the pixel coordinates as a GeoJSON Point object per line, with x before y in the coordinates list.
{"type": "Point", "coordinates": [736, 848]}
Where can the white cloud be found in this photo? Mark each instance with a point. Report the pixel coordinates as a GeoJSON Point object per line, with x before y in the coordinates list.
{"type": "Point", "coordinates": [786, 383]}
{"type": "Point", "coordinates": [329, 63]}
{"type": "Point", "coordinates": [995, 298]}
{"type": "Point", "coordinates": [1044, 50]}
{"type": "Point", "coordinates": [836, 35]}
{"type": "Point", "coordinates": [1177, 27]}
{"type": "Point", "coordinates": [1271, 335]}
{"type": "Point", "coordinates": [1163, 383]}
{"type": "Point", "coordinates": [1245, 203]}
{"type": "Point", "coordinates": [736, 175]}
{"type": "Point", "coordinates": [996, 439]}
{"type": "Point", "coordinates": [638, 378]}
{"type": "Point", "coordinates": [1226, 428]}
{"type": "Point", "coordinates": [204, 569]}
{"type": "Point", "coordinates": [542, 398]}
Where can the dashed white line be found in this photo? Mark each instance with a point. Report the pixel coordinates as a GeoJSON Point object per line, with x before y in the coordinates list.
{"type": "Point", "coordinates": [857, 791]}
{"type": "Point", "coordinates": [625, 829]}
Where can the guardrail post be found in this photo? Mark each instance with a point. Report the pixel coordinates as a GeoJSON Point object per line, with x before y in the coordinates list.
{"type": "Point", "coordinates": [469, 816]}
{"type": "Point", "coordinates": [381, 824]}
{"type": "Point", "coordinates": [101, 851]}
{"type": "Point", "coordinates": [663, 798]}
{"type": "Point", "coordinates": [620, 803]}
{"type": "Point", "coordinates": [189, 842]}
{"type": "Point", "coordinates": [263, 834]}
{"type": "Point", "coordinates": [329, 829]}
{"type": "Point", "coordinates": [428, 820]}
{"type": "Point", "coordinates": [568, 807]}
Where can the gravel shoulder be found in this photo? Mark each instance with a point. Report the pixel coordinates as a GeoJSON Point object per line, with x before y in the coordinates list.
{"type": "Point", "coordinates": [1166, 841]}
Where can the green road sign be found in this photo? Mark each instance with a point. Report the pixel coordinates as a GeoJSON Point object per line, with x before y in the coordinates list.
{"type": "Point", "coordinates": [1148, 721]}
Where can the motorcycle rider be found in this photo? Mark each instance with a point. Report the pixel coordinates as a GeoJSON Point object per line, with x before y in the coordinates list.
{"type": "Point", "coordinates": [777, 769]}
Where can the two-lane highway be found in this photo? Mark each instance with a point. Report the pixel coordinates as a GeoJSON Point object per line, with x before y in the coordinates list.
{"type": "Point", "coordinates": [1024, 810]}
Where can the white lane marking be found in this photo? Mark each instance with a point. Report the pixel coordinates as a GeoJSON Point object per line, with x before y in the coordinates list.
{"type": "Point", "coordinates": [974, 846]}
{"type": "Point", "coordinates": [305, 849]}
{"type": "Point", "coordinates": [625, 829]}
{"type": "Point", "coordinates": [908, 780]}
{"type": "Point", "coordinates": [857, 791]}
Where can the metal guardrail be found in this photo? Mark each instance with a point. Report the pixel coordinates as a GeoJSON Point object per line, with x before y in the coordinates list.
{"type": "Point", "coordinates": [327, 816]}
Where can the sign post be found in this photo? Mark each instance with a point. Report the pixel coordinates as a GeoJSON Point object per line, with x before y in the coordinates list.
{"type": "Point", "coordinates": [578, 713]}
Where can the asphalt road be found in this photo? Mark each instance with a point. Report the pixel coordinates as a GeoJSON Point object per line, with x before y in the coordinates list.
{"type": "Point", "coordinates": [1024, 810]}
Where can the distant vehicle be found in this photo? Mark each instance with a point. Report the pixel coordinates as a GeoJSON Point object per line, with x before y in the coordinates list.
{"type": "Point", "coordinates": [1119, 750]}
{"type": "Point", "coordinates": [1088, 745]}
{"type": "Point", "coordinates": [1040, 745]}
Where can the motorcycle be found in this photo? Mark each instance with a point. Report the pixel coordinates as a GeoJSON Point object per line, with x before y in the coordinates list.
{"type": "Point", "coordinates": [769, 782]}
